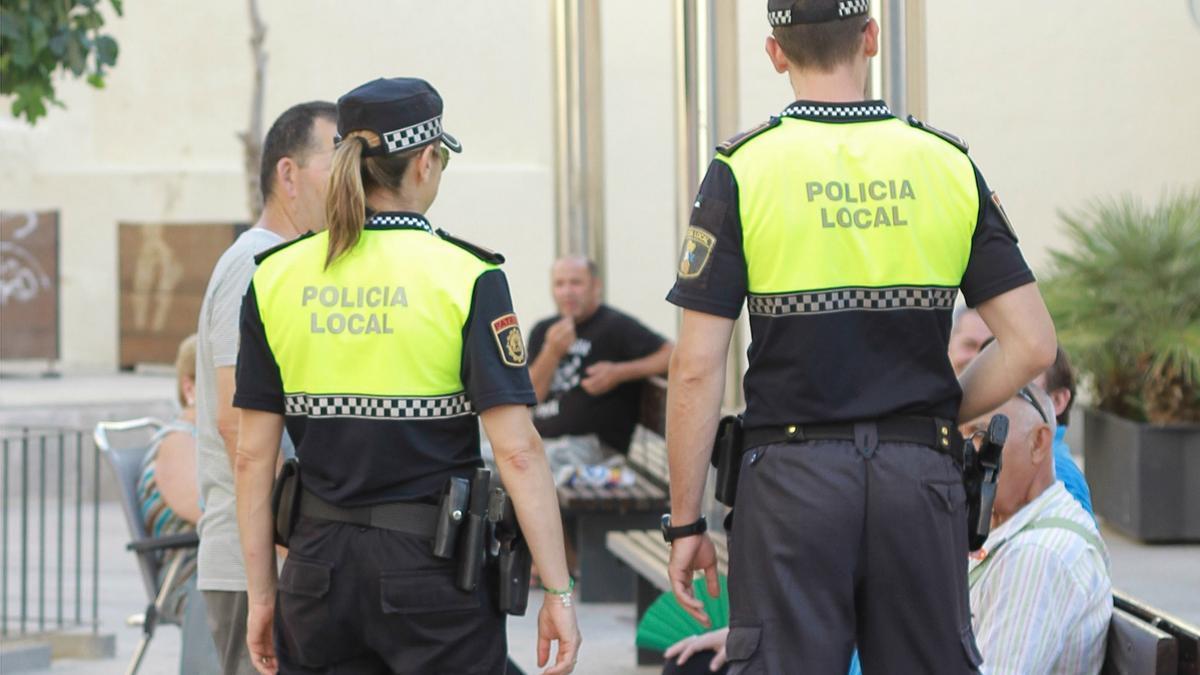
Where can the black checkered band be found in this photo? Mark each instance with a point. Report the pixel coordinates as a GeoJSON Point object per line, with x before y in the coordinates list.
{"type": "Point", "coordinates": [410, 137]}
{"type": "Point", "coordinates": [401, 221]}
{"type": "Point", "coordinates": [377, 407]}
{"type": "Point", "coordinates": [818, 14]}
{"type": "Point", "coordinates": [837, 112]}
{"type": "Point", "coordinates": [853, 7]}
{"type": "Point", "coordinates": [852, 299]}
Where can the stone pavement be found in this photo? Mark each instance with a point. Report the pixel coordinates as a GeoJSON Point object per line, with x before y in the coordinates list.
{"type": "Point", "coordinates": [1164, 576]}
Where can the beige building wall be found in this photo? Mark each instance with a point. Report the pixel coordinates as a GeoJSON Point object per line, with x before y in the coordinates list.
{"type": "Point", "coordinates": [1060, 101]}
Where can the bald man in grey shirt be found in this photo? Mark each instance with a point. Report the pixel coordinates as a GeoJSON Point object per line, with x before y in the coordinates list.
{"type": "Point", "coordinates": [295, 171]}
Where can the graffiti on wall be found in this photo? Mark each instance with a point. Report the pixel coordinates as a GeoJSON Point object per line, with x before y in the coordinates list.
{"type": "Point", "coordinates": [29, 285]}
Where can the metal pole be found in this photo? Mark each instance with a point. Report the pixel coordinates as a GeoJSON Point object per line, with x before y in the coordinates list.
{"type": "Point", "coordinates": [706, 96]}
{"type": "Point", "coordinates": [24, 525]}
{"type": "Point", "coordinates": [96, 540]}
{"type": "Point", "coordinates": [895, 63]}
{"type": "Point", "coordinates": [78, 528]}
{"type": "Point", "coordinates": [4, 553]}
{"type": "Point", "coordinates": [578, 121]}
{"type": "Point", "coordinates": [42, 533]}
{"type": "Point", "coordinates": [61, 526]}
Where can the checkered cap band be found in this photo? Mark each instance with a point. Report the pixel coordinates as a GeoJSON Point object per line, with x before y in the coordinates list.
{"type": "Point", "coordinates": [401, 221]}
{"type": "Point", "coordinates": [410, 137]}
{"type": "Point", "coordinates": [782, 17]}
{"type": "Point", "coordinates": [377, 407]}
{"type": "Point", "coordinates": [837, 111]}
{"type": "Point", "coordinates": [853, 299]}
{"type": "Point", "coordinates": [818, 13]}
{"type": "Point", "coordinates": [852, 7]}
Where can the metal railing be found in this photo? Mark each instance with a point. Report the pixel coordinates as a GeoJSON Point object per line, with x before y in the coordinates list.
{"type": "Point", "coordinates": [48, 537]}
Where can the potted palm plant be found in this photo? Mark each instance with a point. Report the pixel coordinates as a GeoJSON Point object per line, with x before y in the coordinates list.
{"type": "Point", "coordinates": [1125, 297]}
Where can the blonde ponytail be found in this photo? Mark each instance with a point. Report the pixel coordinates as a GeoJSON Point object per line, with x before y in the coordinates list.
{"type": "Point", "coordinates": [351, 176]}
{"type": "Point", "coordinates": [346, 203]}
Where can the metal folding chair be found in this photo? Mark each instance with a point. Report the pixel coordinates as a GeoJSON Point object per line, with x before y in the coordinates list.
{"type": "Point", "coordinates": [126, 464]}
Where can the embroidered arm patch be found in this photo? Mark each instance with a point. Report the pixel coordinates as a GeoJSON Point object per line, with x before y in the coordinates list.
{"type": "Point", "coordinates": [509, 341]}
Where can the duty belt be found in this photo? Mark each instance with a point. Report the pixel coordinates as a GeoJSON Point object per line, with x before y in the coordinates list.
{"type": "Point", "coordinates": [938, 434]}
{"type": "Point", "coordinates": [407, 517]}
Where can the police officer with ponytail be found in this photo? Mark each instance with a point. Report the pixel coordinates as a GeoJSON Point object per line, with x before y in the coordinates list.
{"type": "Point", "coordinates": [847, 233]}
{"type": "Point", "coordinates": [376, 343]}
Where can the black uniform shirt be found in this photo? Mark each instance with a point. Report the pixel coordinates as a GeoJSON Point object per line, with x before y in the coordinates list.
{"type": "Point", "coordinates": [352, 457]}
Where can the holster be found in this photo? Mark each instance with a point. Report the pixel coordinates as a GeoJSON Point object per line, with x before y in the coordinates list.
{"type": "Point", "coordinates": [514, 561]}
{"type": "Point", "coordinates": [471, 550]}
{"type": "Point", "coordinates": [981, 471]}
{"type": "Point", "coordinates": [285, 500]}
{"type": "Point", "coordinates": [728, 448]}
{"type": "Point", "coordinates": [451, 511]}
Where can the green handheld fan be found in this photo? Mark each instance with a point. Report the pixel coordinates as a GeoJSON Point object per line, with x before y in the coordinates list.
{"type": "Point", "coordinates": [667, 622]}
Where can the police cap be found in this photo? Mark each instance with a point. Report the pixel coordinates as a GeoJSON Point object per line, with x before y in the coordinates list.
{"type": "Point", "coordinates": [794, 12]}
{"type": "Point", "coordinates": [406, 112]}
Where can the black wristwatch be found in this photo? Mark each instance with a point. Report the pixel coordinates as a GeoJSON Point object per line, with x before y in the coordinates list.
{"type": "Point", "coordinates": [670, 533]}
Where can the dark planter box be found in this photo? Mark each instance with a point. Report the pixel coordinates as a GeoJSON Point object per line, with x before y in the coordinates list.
{"type": "Point", "coordinates": [1145, 479]}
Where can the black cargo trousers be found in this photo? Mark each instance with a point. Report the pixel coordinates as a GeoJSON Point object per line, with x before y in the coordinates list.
{"type": "Point", "coordinates": [363, 600]}
{"type": "Point", "coordinates": [838, 543]}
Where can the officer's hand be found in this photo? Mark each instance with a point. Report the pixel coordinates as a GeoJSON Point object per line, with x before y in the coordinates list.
{"type": "Point", "coordinates": [560, 336]}
{"type": "Point", "coordinates": [556, 622]}
{"type": "Point", "coordinates": [602, 377]}
{"type": "Point", "coordinates": [260, 638]}
{"type": "Point", "coordinates": [692, 644]}
{"type": "Point", "coordinates": [689, 555]}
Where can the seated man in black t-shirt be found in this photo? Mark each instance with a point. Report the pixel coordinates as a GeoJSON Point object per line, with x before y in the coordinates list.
{"type": "Point", "coordinates": [585, 364]}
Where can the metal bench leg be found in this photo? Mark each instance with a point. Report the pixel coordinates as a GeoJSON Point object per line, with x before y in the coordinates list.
{"type": "Point", "coordinates": [604, 578]}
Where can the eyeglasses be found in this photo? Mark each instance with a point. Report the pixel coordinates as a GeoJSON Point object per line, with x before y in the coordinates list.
{"type": "Point", "coordinates": [1027, 394]}
{"type": "Point", "coordinates": [444, 155]}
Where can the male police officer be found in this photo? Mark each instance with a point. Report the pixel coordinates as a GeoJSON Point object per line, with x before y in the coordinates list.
{"type": "Point", "coordinates": [848, 233]}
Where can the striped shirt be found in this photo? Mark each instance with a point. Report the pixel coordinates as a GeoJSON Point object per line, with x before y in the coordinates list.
{"type": "Point", "coordinates": [1041, 596]}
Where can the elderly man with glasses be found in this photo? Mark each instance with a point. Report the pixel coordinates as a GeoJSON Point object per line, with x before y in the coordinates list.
{"type": "Point", "coordinates": [1041, 595]}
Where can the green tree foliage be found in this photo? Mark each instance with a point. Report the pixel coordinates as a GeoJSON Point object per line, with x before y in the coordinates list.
{"type": "Point", "coordinates": [1125, 297]}
{"type": "Point", "coordinates": [39, 37]}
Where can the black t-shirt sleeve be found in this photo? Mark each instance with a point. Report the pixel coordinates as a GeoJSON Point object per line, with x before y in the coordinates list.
{"type": "Point", "coordinates": [996, 264]}
{"type": "Point", "coordinates": [637, 340]}
{"type": "Point", "coordinates": [537, 338]}
{"type": "Point", "coordinates": [711, 275]}
{"type": "Point", "coordinates": [494, 354]}
{"type": "Point", "coordinates": [259, 384]}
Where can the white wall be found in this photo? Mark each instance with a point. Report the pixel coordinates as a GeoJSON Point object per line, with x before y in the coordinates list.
{"type": "Point", "coordinates": [1060, 101]}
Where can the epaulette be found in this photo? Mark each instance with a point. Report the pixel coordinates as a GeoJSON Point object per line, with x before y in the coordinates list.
{"type": "Point", "coordinates": [485, 254]}
{"type": "Point", "coordinates": [263, 255]}
{"type": "Point", "coordinates": [730, 146]}
{"type": "Point", "coordinates": [950, 138]}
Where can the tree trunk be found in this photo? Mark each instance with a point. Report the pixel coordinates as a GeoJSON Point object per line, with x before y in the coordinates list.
{"type": "Point", "coordinates": [252, 137]}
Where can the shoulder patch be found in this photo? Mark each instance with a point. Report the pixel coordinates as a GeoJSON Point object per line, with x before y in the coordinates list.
{"type": "Point", "coordinates": [950, 138]}
{"type": "Point", "coordinates": [263, 255]}
{"type": "Point", "coordinates": [485, 254]}
{"type": "Point", "coordinates": [508, 340]}
{"type": "Point", "coordinates": [730, 146]}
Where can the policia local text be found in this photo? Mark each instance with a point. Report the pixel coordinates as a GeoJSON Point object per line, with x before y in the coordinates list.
{"type": "Point", "coordinates": [356, 323]}
{"type": "Point", "coordinates": [861, 193]}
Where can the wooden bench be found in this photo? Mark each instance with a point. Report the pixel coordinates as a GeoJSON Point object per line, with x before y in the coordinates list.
{"type": "Point", "coordinates": [645, 552]}
{"type": "Point", "coordinates": [1141, 639]}
{"type": "Point", "coordinates": [596, 511]}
